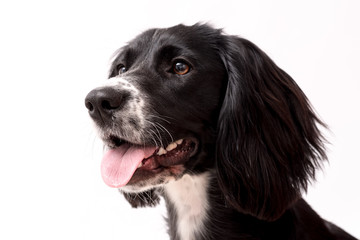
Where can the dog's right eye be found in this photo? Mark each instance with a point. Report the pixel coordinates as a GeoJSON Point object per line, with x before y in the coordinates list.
{"type": "Point", "coordinates": [121, 68]}
{"type": "Point", "coordinates": [181, 68]}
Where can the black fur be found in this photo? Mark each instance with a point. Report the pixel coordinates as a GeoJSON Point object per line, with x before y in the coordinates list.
{"type": "Point", "coordinates": [272, 132]}
{"type": "Point", "coordinates": [257, 133]}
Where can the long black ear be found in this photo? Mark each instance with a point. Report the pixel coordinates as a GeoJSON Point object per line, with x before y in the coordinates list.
{"type": "Point", "coordinates": [268, 144]}
{"type": "Point", "coordinates": [144, 199]}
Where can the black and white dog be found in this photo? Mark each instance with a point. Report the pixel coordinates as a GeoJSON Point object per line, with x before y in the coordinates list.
{"type": "Point", "coordinates": [210, 123]}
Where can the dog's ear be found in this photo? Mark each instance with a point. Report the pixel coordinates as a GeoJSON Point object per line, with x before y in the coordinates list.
{"type": "Point", "coordinates": [268, 144]}
{"type": "Point", "coordinates": [144, 199]}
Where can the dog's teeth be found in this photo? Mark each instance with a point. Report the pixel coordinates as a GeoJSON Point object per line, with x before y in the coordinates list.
{"type": "Point", "coordinates": [140, 165]}
{"type": "Point", "coordinates": [171, 146]}
{"type": "Point", "coordinates": [161, 151]}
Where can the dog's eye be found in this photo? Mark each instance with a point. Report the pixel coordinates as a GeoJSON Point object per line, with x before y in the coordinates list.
{"type": "Point", "coordinates": [121, 69]}
{"type": "Point", "coordinates": [181, 68]}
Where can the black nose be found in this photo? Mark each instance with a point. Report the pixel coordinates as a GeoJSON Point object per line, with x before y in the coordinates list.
{"type": "Point", "coordinates": [103, 102]}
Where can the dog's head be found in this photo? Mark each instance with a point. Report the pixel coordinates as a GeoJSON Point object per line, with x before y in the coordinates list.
{"type": "Point", "coordinates": [190, 99]}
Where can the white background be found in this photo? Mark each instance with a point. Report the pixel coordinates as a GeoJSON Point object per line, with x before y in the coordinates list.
{"type": "Point", "coordinates": [53, 53]}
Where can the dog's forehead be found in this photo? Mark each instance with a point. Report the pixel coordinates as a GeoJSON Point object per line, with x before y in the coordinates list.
{"type": "Point", "coordinates": [181, 36]}
{"type": "Point", "coordinates": [162, 35]}
{"type": "Point", "coordinates": [142, 44]}
{"type": "Point", "coordinates": [155, 39]}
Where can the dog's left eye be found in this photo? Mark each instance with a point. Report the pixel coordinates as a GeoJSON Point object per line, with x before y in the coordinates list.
{"type": "Point", "coordinates": [181, 68]}
{"type": "Point", "coordinates": [121, 69]}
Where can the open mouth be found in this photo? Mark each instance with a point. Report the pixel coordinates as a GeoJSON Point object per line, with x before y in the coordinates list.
{"type": "Point", "coordinates": [120, 164]}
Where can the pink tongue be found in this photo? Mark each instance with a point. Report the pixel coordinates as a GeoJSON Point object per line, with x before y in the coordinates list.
{"type": "Point", "coordinates": [119, 164]}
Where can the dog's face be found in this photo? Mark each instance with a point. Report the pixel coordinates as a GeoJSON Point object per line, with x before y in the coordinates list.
{"type": "Point", "coordinates": [158, 110]}
{"type": "Point", "coordinates": [192, 99]}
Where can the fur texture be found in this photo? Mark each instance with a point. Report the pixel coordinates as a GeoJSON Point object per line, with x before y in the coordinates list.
{"type": "Point", "coordinates": [248, 140]}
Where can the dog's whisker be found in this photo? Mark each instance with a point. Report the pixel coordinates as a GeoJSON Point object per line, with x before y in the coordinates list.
{"type": "Point", "coordinates": [152, 134]}
{"type": "Point", "coordinates": [157, 133]}
{"type": "Point", "coordinates": [164, 128]}
{"type": "Point", "coordinates": [163, 118]}
{"type": "Point", "coordinates": [149, 197]}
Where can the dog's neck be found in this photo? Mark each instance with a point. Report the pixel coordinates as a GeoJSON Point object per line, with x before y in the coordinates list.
{"type": "Point", "coordinates": [187, 205]}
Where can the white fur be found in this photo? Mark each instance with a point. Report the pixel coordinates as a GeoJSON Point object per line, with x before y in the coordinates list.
{"type": "Point", "coordinates": [121, 83]}
{"type": "Point", "coordinates": [189, 197]}
{"type": "Point", "coordinates": [134, 109]}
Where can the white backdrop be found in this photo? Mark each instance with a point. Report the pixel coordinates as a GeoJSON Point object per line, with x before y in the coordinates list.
{"type": "Point", "coordinates": [52, 53]}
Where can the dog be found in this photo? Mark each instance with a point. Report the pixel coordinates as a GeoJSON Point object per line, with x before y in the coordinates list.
{"type": "Point", "coordinates": [211, 124]}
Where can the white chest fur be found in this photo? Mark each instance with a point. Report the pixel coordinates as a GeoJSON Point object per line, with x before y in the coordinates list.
{"type": "Point", "coordinates": [189, 197]}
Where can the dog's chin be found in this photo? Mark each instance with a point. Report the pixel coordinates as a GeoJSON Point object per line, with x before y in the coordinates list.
{"type": "Point", "coordinates": [137, 167]}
